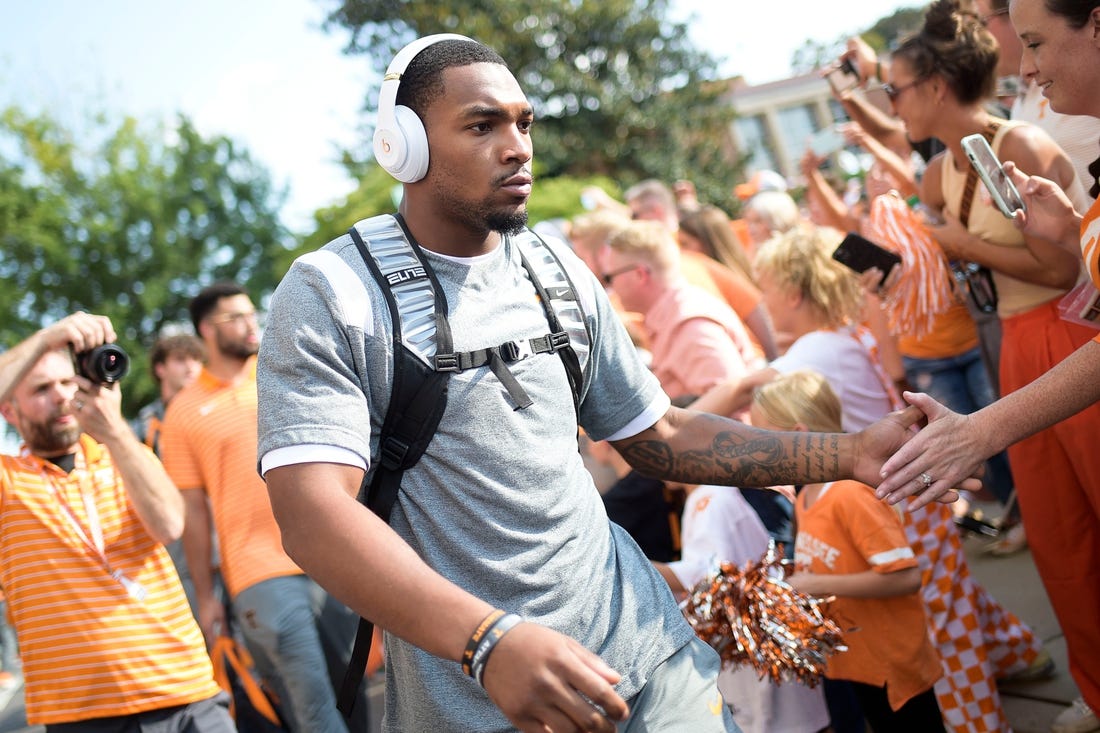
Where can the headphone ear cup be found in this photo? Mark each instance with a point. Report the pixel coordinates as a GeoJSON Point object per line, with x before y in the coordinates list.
{"type": "Point", "coordinates": [389, 147]}
{"type": "Point", "coordinates": [412, 163]}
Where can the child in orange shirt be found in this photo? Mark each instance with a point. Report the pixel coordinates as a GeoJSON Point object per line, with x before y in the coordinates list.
{"type": "Point", "coordinates": [852, 546]}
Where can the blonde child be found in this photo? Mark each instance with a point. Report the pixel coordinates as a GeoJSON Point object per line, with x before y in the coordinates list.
{"type": "Point", "coordinates": [852, 546]}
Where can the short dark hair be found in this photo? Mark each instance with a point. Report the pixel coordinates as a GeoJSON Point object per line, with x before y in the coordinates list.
{"type": "Point", "coordinates": [422, 82]}
{"type": "Point", "coordinates": [184, 344]}
{"type": "Point", "coordinates": [207, 300]}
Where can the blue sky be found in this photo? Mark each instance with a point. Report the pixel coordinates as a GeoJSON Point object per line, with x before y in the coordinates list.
{"type": "Point", "coordinates": [263, 72]}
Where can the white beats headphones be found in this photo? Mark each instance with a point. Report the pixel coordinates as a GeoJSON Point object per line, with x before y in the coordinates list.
{"type": "Point", "coordinates": [400, 143]}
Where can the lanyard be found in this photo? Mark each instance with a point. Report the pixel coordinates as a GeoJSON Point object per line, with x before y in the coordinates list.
{"type": "Point", "coordinates": [93, 538]}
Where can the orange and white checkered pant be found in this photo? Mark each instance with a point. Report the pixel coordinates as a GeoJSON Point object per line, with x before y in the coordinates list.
{"type": "Point", "coordinates": [978, 640]}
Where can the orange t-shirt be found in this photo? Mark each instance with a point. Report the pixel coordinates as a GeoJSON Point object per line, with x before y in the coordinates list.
{"type": "Point", "coordinates": [208, 442]}
{"type": "Point", "coordinates": [90, 649]}
{"type": "Point", "coordinates": [1090, 245]}
{"type": "Point", "coordinates": [717, 279]}
{"type": "Point", "coordinates": [953, 332]}
{"type": "Point", "coordinates": [847, 530]}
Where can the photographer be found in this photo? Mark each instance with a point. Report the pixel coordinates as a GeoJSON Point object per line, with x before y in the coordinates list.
{"type": "Point", "coordinates": [86, 510]}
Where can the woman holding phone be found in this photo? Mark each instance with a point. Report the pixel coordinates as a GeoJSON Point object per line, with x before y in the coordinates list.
{"type": "Point", "coordinates": [1062, 53]}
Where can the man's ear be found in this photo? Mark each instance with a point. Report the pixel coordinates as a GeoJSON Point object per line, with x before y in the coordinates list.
{"type": "Point", "coordinates": [8, 411]}
{"type": "Point", "coordinates": [1094, 21]}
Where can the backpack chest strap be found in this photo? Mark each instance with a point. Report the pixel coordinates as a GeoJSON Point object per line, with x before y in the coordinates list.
{"type": "Point", "coordinates": [509, 352]}
{"type": "Point", "coordinates": [499, 357]}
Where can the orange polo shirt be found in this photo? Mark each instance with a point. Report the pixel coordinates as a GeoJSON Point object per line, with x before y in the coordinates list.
{"type": "Point", "coordinates": [208, 442]}
{"type": "Point", "coordinates": [89, 648]}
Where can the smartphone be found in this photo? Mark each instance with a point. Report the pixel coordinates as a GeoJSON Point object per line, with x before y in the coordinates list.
{"type": "Point", "coordinates": [1001, 188]}
{"type": "Point", "coordinates": [827, 141]}
{"type": "Point", "coordinates": [976, 524]}
{"type": "Point", "coordinates": [862, 254]}
{"type": "Point", "coordinates": [842, 76]}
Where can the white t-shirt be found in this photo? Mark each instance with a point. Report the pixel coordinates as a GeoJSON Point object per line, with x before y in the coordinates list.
{"type": "Point", "coordinates": [844, 361]}
{"type": "Point", "coordinates": [719, 525]}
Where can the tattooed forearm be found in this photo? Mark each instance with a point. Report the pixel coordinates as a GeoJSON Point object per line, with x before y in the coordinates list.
{"type": "Point", "coordinates": [744, 458]}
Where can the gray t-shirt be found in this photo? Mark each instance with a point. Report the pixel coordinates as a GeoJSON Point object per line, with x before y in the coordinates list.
{"type": "Point", "coordinates": [500, 504]}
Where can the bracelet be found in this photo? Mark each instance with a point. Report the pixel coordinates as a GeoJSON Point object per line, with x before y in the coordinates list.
{"type": "Point", "coordinates": [475, 639]}
{"type": "Point", "coordinates": [490, 631]}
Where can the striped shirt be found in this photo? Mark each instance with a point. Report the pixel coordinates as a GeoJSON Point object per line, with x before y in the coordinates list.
{"type": "Point", "coordinates": [90, 648]}
{"type": "Point", "coordinates": [208, 442]}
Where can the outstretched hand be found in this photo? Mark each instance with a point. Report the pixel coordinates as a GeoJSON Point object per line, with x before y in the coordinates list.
{"type": "Point", "coordinates": [944, 456]}
{"type": "Point", "coordinates": [877, 442]}
{"type": "Point", "coordinates": [545, 681]}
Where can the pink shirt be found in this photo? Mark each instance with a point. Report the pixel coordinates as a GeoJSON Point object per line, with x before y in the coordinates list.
{"type": "Point", "coordinates": [696, 341]}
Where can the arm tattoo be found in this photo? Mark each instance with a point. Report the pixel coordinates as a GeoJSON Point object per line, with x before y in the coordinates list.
{"type": "Point", "coordinates": [760, 459]}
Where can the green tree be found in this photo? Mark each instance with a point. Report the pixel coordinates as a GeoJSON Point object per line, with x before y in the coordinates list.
{"type": "Point", "coordinates": [882, 36]}
{"type": "Point", "coordinates": [618, 89]}
{"type": "Point", "coordinates": [130, 225]}
{"type": "Point", "coordinates": [886, 32]}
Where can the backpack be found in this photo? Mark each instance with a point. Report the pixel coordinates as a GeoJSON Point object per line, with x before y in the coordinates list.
{"type": "Point", "coordinates": [424, 359]}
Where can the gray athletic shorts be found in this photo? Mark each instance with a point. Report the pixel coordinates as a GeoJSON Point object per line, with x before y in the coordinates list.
{"type": "Point", "coordinates": [682, 695]}
{"type": "Point", "coordinates": [205, 716]}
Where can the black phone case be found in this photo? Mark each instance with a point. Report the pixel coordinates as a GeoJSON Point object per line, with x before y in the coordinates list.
{"type": "Point", "coordinates": [862, 254]}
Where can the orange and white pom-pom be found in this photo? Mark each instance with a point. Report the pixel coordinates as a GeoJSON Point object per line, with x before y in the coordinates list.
{"type": "Point", "coordinates": [751, 616]}
{"type": "Point", "coordinates": [926, 286]}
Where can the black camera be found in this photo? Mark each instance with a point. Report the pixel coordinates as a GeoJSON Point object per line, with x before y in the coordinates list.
{"type": "Point", "coordinates": [105, 364]}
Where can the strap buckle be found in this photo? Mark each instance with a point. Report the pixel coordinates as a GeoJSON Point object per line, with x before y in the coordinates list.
{"type": "Point", "coordinates": [512, 351]}
{"type": "Point", "coordinates": [558, 340]}
{"type": "Point", "coordinates": [392, 452]}
{"type": "Point", "coordinates": [446, 362]}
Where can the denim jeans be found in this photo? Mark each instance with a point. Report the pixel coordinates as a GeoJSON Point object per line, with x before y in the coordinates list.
{"type": "Point", "coordinates": [961, 383]}
{"type": "Point", "coordinates": [288, 625]}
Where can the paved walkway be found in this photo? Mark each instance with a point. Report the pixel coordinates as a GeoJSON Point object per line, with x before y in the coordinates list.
{"type": "Point", "coordinates": [1032, 706]}
{"type": "Point", "coordinates": [1013, 581]}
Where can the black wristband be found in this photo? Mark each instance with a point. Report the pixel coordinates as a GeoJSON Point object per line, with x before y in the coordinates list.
{"type": "Point", "coordinates": [493, 634]}
{"type": "Point", "coordinates": [475, 639]}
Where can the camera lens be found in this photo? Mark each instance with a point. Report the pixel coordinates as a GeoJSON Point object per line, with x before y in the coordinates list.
{"type": "Point", "coordinates": [104, 364]}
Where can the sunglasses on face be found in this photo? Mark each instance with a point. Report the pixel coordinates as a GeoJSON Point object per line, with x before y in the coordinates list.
{"type": "Point", "coordinates": [893, 92]}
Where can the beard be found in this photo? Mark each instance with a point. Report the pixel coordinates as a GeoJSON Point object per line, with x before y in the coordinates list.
{"type": "Point", "coordinates": [507, 223]}
{"type": "Point", "coordinates": [236, 348]}
{"type": "Point", "coordinates": [480, 215]}
{"type": "Point", "coordinates": [48, 438]}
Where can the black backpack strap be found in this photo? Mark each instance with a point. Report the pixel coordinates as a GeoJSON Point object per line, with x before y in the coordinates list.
{"type": "Point", "coordinates": [417, 402]}
{"type": "Point", "coordinates": [557, 334]}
